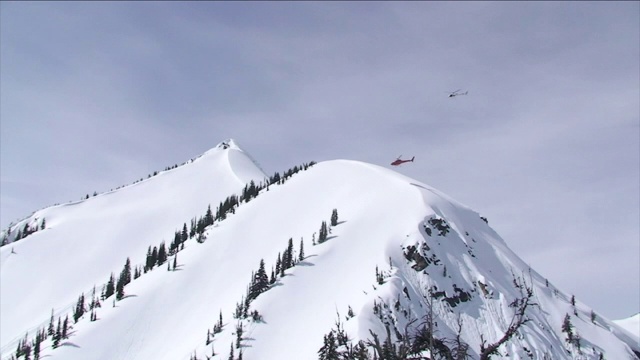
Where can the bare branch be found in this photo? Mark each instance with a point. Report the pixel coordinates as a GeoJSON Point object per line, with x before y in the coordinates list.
{"type": "Point", "coordinates": [519, 318]}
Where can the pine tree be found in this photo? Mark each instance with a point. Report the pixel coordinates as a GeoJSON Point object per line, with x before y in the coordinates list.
{"type": "Point", "coordinates": [79, 309]}
{"type": "Point", "coordinates": [148, 264]}
{"type": "Point", "coordinates": [192, 229]}
{"type": "Point", "coordinates": [65, 327]}
{"type": "Point", "coordinates": [126, 272]}
{"type": "Point", "coordinates": [239, 332]}
{"type": "Point", "coordinates": [120, 287]}
{"type": "Point", "coordinates": [272, 279]}
{"type": "Point", "coordinates": [291, 253]}
{"type": "Point", "coordinates": [360, 351]}
{"type": "Point", "coordinates": [322, 236]}
{"type": "Point", "coordinates": [573, 300]}
{"type": "Point", "coordinates": [111, 287]}
{"type": "Point", "coordinates": [217, 328]}
{"type": "Point", "coordinates": [57, 335]}
{"type": "Point", "coordinates": [185, 234]}
{"type": "Point", "coordinates": [379, 276]}
{"type": "Point", "coordinates": [231, 356]}
{"type": "Point", "coordinates": [36, 346]}
{"type": "Point", "coordinates": [287, 257]}
{"type": "Point", "coordinates": [279, 267]}
{"type": "Point", "coordinates": [209, 216]}
{"type": "Point", "coordinates": [162, 254]}
{"type": "Point", "coordinates": [388, 349]}
{"type": "Point", "coordinates": [334, 217]}
{"type": "Point", "coordinates": [301, 255]}
{"type": "Point", "coordinates": [27, 351]}
{"type": "Point", "coordinates": [329, 349]}
{"type": "Point", "coordinates": [51, 329]}
{"type": "Point", "coordinates": [177, 239]}
{"type": "Point", "coordinates": [260, 282]}
{"type": "Point", "coordinates": [200, 225]}
{"type": "Point", "coordinates": [567, 327]}
{"type": "Point", "coordinates": [245, 308]}
{"type": "Point", "coordinates": [19, 349]}
{"type": "Point", "coordinates": [350, 313]}
{"type": "Point", "coordinates": [175, 261]}
{"type": "Point", "coordinates": [92, 303]}
{"type": "Point", "coordinates": [26, 231]}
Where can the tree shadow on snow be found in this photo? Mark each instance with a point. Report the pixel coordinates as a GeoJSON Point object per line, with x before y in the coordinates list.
{"type": "Point", "coordinates": [68, 343]}
{"type": "Point", "coordinates": [305, 263]}
{"type": "Point", "coordinates": [588, 344]}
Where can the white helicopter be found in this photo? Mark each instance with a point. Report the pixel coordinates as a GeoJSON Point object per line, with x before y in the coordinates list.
{"type": "Point", "coordinates": [457, 93]}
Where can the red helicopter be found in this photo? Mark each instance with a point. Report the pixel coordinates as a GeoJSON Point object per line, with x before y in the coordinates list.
{"type": "Point", "coordinates": [398, 161]}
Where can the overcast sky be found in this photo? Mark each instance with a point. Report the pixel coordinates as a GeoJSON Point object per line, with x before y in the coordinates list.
{"type": "Point", "coordinates": [546, 144]}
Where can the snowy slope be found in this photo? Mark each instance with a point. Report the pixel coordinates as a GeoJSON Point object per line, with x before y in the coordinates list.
{"type": "Point", "coordinates": [85, 241]}
{"type": "Point", "coordinates": [631, 324]}
{"type": "Point", "coordinates": [166, 314]}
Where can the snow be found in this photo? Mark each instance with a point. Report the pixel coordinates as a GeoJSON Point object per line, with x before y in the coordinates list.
{"type": "Point", "coordinates": [631, 324]}
{"type": "Point", "coordinates": [166, 314]}
{"type": "Point", "coordinates": [87, 240]}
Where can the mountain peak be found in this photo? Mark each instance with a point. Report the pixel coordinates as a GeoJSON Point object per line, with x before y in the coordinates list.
{"type": "Point", "coordinates": [228, 144]}
{"type": "Point", "coordinates": [400, 252]}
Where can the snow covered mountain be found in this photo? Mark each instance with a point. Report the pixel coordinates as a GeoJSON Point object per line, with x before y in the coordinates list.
{"type": "Point", "coordinates": [347, 247]}
{"type": "Point", "coordinates": [631, 324]}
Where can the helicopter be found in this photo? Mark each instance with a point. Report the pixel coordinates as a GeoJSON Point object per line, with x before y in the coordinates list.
{"type": "Point", "coordinates": [457, 93]}
{"type": "Point", "coordinates": [399, 161]}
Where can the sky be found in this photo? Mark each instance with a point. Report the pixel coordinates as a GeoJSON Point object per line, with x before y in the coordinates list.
{"type": "Point", "coordinates": [546, 145]}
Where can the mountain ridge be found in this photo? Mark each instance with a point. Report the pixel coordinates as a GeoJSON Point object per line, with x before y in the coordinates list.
{"type": "Point", "coordinates": [141, 202]}
{"type": "Point", "coordinates": [383, 215]}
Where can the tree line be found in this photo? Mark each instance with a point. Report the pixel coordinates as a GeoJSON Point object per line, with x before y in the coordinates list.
{"type": "Point", "coordinates": [155, 257]}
